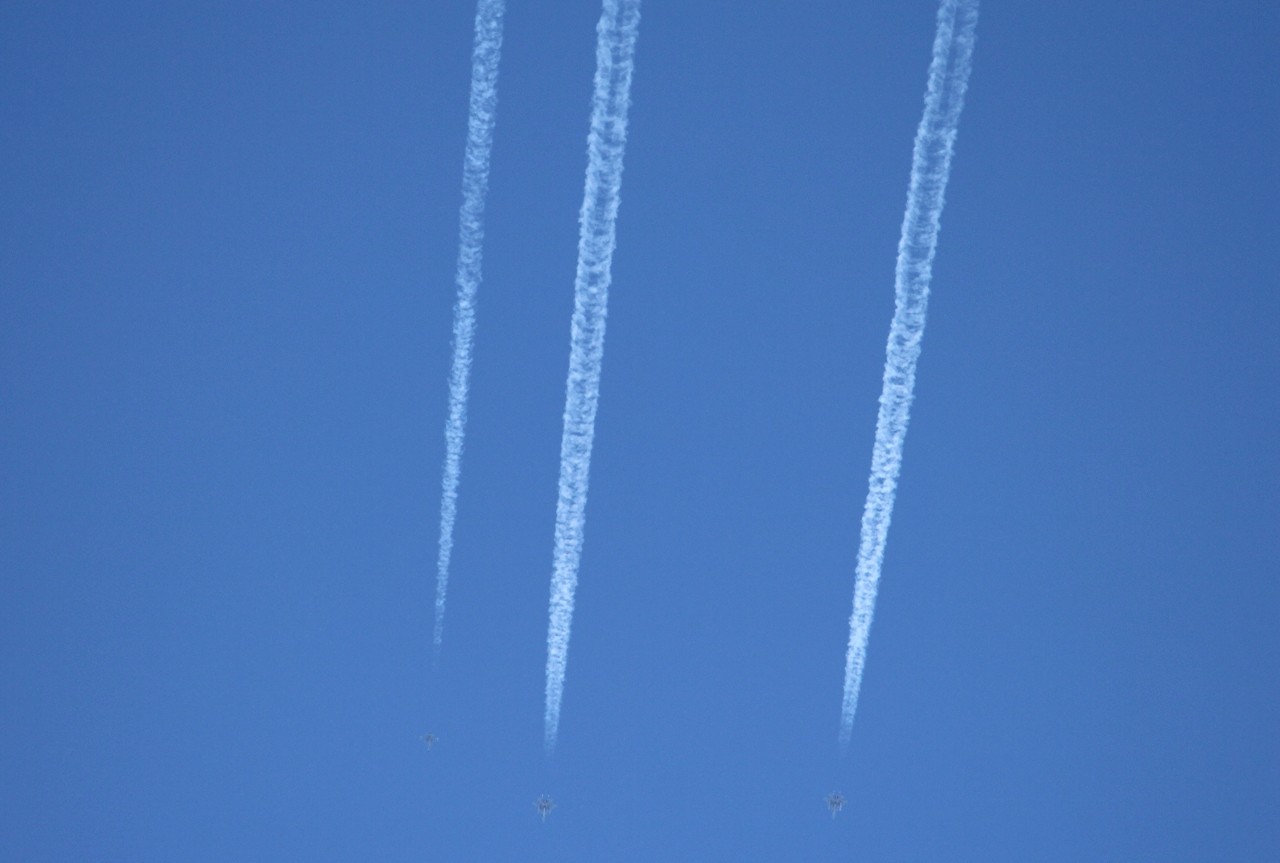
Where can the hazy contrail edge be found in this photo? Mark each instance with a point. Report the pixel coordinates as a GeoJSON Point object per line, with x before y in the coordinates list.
{"type": "Point", "coordinates": [475, 184]}
{"type": "Point", "coordinates": [930, 169]}
{"type": "Point", "coordinates": [615, 52]}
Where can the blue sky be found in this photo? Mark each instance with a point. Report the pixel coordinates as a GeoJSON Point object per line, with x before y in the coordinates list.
{"type": "Point", "coordinates": [226, 289]}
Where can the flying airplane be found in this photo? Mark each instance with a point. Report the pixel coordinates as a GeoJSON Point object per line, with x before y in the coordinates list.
{"type": "Point", "coordinates": [430, 739]}
{"type": "Point", "coordinates": [835, 802]}
{"type": "Point", "coordinates": [544, 805]}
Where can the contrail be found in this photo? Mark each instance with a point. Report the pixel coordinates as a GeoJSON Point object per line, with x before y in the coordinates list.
{"type": "Point", "coordinates": [615, 52]}
{"type": "Point", "coordinates": [475, 184]}
{"type": "Point", "coordinates": [930, 169]}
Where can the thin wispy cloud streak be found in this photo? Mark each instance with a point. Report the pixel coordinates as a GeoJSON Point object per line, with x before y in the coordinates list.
{"type": "Point", "coordinates": [615, 52]}
{"type": "Point", "coordinates": [486, 53]}
{"type": "Point", "coordinates": [930, 169]}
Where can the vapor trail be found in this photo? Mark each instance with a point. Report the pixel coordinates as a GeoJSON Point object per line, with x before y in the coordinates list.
{"type": "Point", "coordinates": [930, 169]}
{"type": "Point", "coordinates": [615, 52]}
{"type": "Point", "coordinates": [485, 54]}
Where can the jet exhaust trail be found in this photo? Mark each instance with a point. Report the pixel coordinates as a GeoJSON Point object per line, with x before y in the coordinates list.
{"type": "Point", "coordinates": [615, 53]}
{"type": "Point", "coordinates": [485, 55]}
{"type": "Point", "coordinates": [930, 169]}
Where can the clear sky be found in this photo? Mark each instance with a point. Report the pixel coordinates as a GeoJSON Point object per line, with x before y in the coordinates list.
{"type": "Point", "coordinates": [227, 244]}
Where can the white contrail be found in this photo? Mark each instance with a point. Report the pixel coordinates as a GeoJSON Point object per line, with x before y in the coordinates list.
{"type": "Point", "coordinates": [475, 183]}
{"type": "Point", "coordinates": [930, 168]}
{"type": "Point", "coordinates": [615, 52]}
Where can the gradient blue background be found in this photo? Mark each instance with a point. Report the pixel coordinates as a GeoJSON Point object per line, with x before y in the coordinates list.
{"type": "Point", "coordinates": [227, 242]}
